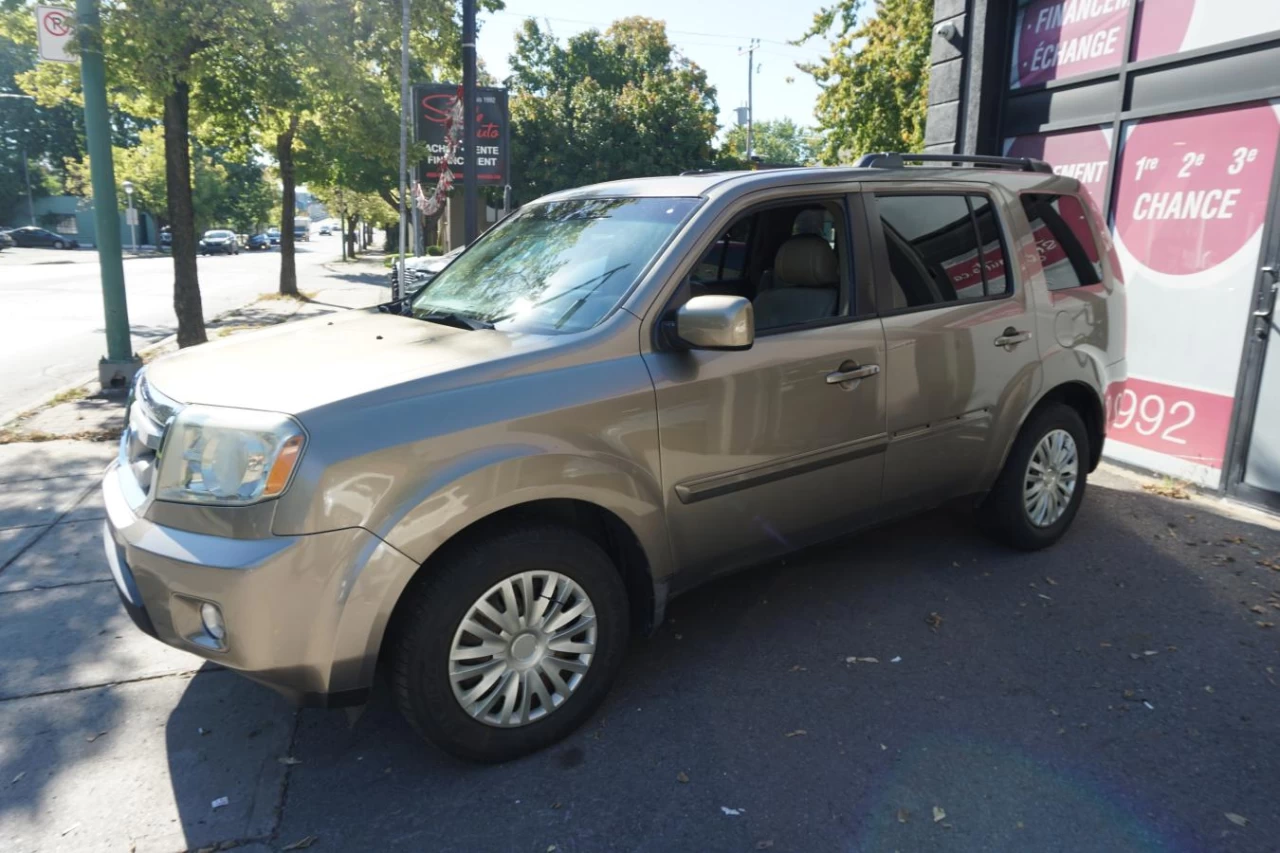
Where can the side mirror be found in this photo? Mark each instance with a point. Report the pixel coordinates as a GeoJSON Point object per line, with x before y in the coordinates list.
{"type": "Point", "coordinates": [715, 323]}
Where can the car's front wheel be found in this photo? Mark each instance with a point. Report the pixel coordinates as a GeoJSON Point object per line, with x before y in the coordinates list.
{"type": "Point", "coordinates": [1039, 491]}
{"type": "Point", "coordinates": [58, 244]}
{"type": "Point", "coordinates": [511, 643]}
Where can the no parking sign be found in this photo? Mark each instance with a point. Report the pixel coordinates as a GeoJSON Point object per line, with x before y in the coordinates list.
{"type": "Point", "coordinates": [54, 27]}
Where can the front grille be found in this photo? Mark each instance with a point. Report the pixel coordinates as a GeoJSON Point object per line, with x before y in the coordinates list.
{"type": "Point", "coordinates": [149, 415]}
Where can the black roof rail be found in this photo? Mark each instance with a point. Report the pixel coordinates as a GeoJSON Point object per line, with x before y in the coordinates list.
{"type": "Point", "coordinates": [895, 160]}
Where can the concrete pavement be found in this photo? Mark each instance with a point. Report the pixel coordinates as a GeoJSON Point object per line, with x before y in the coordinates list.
{"type": "Point", "coordinates": [1116, 692]}
{"type": "Point", "coordinates": [51, 326]}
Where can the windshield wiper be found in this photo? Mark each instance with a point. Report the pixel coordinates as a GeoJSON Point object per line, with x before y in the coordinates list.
{"type": "Point", "coordinates": [451, 318]}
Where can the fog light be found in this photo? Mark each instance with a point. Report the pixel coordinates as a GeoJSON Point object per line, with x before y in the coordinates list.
{"type": "Point", "coordinates": [211, 616]}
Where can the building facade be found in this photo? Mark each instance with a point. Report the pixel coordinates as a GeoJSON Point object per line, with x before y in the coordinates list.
{"type": "Point", "coordinates": [1168, 112]}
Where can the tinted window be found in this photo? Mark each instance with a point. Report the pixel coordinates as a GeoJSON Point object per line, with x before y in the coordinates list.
{"type": "Point", "coordinates": [1066, 246]}
{"type": "Point", "coordinates": [935, 253]}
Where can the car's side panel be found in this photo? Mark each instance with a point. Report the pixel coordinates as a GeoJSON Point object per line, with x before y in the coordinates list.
{"type": "Point", "coordinates": [956, 398]}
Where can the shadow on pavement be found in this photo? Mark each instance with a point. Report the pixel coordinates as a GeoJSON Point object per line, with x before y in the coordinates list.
{"type": "Point", "coordinates": [1113, 693]}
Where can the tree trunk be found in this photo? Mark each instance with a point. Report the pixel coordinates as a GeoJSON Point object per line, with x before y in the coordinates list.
{"type": "Point", "coordinates": [288, 209]}
{"type": "Point", "coordinates": [350, 235]}
{"type": "Point", "coordinates": [181, 210]}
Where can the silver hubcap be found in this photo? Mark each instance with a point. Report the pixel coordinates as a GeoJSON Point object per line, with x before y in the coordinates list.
{"type": "Point", "coordinates": [522, 648]}
{"type": "Point", "coordinates": [1050, 480]}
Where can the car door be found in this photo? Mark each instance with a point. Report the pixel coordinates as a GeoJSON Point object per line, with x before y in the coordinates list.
{"type": "Point", "coordinates": [959, 330]}
{"type": "Point", "coordinates": [772, 448]}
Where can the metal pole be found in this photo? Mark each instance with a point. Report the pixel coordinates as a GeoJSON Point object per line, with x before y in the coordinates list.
{"type": "Point", "coordinates": [751, 108]}
{"type": "Point", "coordinates": [26, 174]}
{"type": "Point", "coordinates": [133, 225]}
{"type": "Point", "coordinates": [470, 197]}
{"type": "Point", "coordinates": [417, 219]}
{"type": "Point", "coordinates": [404, 141]}
{"type": "Point", "coordinates": [106, 216]}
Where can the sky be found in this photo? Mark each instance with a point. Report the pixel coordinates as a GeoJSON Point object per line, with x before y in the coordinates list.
{"type": "Point", "coordinates": [708, 32]}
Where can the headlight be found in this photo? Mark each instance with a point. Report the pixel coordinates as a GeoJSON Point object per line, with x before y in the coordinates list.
{"type": "Point", "coordinates": [230, 457]}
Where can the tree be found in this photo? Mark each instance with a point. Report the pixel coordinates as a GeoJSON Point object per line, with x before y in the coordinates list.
{"type": "Point", "coordinates": [618, 104]}
{"type": "Point", "coordinates": [778, 142]}
{"type": "Point", "coordinates": [874, 96]}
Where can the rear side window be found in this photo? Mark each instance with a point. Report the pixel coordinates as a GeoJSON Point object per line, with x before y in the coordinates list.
{"type": "Point", "coordinates": [942, 249]}
{"type": "Point", "coordinates": [1064, 241]}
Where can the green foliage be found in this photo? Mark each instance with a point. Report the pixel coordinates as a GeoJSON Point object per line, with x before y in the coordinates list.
{"type": "Point", "coordinates": [780, 143]}
{"type": "Point", "coordinates": [617, 104]}
{"type": "Point", "coordinates": [875, 79]}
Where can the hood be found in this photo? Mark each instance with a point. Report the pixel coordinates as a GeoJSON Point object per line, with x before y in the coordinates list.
{"type": "Point", "coordinates": [297, 367]}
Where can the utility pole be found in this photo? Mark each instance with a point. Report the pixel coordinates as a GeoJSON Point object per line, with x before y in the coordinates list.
{"type": "Point", "coordinates": [120, 365]}
{"type": "Point", "coordinates": [404, 142]}
{"type": "Point", "coordinates": [470, 194]}
{"type": "Point", "coordinates": [750, 51]}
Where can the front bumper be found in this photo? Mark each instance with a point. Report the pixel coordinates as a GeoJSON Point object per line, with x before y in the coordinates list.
{"type": "Point", "coordinates": [303, 614]}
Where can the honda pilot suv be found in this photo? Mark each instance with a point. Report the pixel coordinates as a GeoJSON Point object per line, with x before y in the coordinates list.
{"type": "Point", "coordinates": [617, 393]}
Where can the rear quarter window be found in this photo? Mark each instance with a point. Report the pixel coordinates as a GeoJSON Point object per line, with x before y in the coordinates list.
{"type": "Point", "coordinates": [1064, 240]}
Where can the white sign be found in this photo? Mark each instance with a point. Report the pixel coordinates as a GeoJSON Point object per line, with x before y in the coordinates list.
{"type": "Point", "coordinates": [131, 216]}
{"type": "Point", "coordinates": [54, 27]}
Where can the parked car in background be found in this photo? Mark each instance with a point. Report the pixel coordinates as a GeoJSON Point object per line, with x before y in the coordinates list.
{"type": "Point", "coordinates": [325, 231]}
{"type": "Point", "coordinates": [273, 234]}
{"type": "Point", "coordinates": [6, 242]}
{"type": "Point", "coordinates": [29, 236]}
{"type": "Point", "coordinates": [258, 242]}
{"type": "Point", "coordinates": [423, 269]}
{"type": "Point", "coordinates": [483, 491]}
{"type": "Point", "coordinates": [166, 237]}
{"type": "Point", "coordinates": [219, 242]}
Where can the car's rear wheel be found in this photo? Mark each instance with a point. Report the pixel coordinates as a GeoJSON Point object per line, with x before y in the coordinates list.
{"type": "Point", "coordinates": [511, 643]}
{"type": "Point", "coordinates": [58, 244]}
{"type": "Point", "coordinates": [1039, 491]}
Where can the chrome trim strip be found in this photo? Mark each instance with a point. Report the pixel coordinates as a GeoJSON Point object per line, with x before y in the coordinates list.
{"type": "Point", "coordinates": [939, 427]}
{"type": "Point", "coordinates": [768, 472]}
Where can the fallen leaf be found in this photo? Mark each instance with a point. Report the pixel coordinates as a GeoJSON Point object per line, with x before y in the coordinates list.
{"type": "Point", "coordinates": [1045, 597]}
{"type": "Point", "coordinates": [682, 776]}
{"type": "Point", "coordinates": [897, 659]}
{"type": "Point", "coordinates": [903, 814]}
{"type": "Point", "coordinates": [934, 621]}
{"type": "Point", "coordinates": [18, 778]}
{"type": "Point", "coordinates": [731, 812]}
{"type": "Point", "coordinates": [551, 848]}
{"type": "Point", "coordinates": [1237, 819]}
{"type": "Point", "coordinates": [1258, 608]}
{"type": "Point", "coordinates": [796, 733]}
{"type": "Point", "coordinates": [861, 660]}
{"type": "Point", "coordinates": [220, 802]}
{"type": "Point", "coordinates": [1149, 653]}
{"type": "Point", "coordinates": [92, 738]}
{"type": "Point", "coordinates": [76, 826]}
{"type": "Point", "coordinates": [938, 814]}
{"type": "Point", "coordinates": [1050, 581]}
{"type": "Point", "coordinates": [289, 760]}
{"type": "Point", "coordinates": [305, 842]}
{"type": "Point", "coordinates": [1262, 624]}
{"type": "Point", "coordinates": [1208, 689]}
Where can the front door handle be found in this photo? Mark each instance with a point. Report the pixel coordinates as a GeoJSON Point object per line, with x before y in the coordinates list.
{"type": "Point", "coordinates": [1012, 337]}
{"type": "Point", "coordinates": [851, 371]}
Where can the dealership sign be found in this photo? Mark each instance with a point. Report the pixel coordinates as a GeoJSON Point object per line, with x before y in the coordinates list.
{"type": "Point", "coordinates": [433, 103]}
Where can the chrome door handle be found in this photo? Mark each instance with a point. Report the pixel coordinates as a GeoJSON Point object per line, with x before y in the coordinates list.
{"type": "Point", "coordinates": [1012, 337]}
{"type": "Point", "coordinates": [851, 374]}
{"type": "Point", "coordinates": [1265, 313]}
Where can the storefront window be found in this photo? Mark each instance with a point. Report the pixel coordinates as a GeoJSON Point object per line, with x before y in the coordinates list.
{"type": "Point", "coordinates": [1057, 39]}
{"type": "Point", "coordinates": [1164, 27]}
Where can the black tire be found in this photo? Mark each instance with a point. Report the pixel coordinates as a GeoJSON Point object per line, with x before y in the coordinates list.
{"type": "Point", "coordinates": [1004, 514]}
{"type": "Point", "coordinates": [442, 596]}
{"type": "Point", "coordinates": [58, 244]}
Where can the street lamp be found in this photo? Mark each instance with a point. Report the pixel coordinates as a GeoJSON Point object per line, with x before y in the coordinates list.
{"type": "Point", "coordinates": [132, 216]}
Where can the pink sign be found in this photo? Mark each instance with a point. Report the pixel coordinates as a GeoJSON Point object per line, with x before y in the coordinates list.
{"type": "Point", "coordinates": [1079, 154]}
{"type": "Point", "coordinates": [1160, 26]}
{"type": "Point", "coordinates": [1193, 189]}
{"type": "Point", "coordinates": [1064, 38]}
{"type": "Point", "coordinates": [1183, 422]}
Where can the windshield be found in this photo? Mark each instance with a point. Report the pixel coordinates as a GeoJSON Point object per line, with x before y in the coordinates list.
{"type": "Point", "coordinates": [556, 267]}
{"type": "Point", "coordinates": [217, 235]}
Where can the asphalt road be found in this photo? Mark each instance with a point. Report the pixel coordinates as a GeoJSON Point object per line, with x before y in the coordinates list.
{"type": "Point", "coordinates": [51, 320]}
{"type": "Point", "coordinates": [1116, 692]}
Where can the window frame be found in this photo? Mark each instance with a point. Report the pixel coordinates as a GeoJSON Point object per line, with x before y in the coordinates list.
{"type": "Point", "coordinates": [883, 276]}
{"type": "Point", "coordinates": [860, 277]}
{"type": "Point", "coordinates": [1083, 259]}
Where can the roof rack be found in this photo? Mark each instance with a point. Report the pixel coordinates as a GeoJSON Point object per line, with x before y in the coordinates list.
{"type": "Point", "coordinates": [894, 160]}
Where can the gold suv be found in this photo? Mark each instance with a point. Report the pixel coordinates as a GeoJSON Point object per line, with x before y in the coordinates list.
{"type": "Point", "coordinates": [617, 393]}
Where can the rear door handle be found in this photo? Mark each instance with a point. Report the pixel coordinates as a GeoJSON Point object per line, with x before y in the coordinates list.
{"type": "Point", "coordinates": [1012, 337]}
{"type": "Point", "coordinates": [848, 373]}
